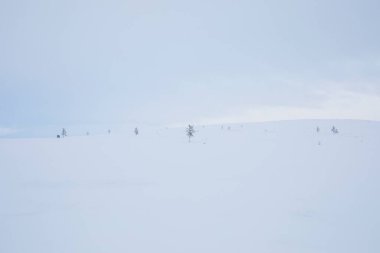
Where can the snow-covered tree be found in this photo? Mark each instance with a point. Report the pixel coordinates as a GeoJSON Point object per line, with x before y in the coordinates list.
{"type": "Point", "coordinates": [318, 129]}
{"type": "Point", "coordinates": [190, 132]}
{"type": "Point", "coordinates": [136, 131]}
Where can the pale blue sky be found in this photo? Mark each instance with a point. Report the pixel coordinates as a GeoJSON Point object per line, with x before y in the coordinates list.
{"type": "Point", "coordinates": [169, 62]}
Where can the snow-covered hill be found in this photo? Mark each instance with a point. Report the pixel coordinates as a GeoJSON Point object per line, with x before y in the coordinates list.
{"type": "Point", "coordinates": [267, 187]}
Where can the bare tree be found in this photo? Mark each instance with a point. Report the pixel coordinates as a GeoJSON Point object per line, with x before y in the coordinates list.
{"type": "Point", "coordinates": [190, 132]}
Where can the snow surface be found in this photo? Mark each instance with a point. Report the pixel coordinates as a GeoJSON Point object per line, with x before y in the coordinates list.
{"type": "Point", "coordinates": [267, 187]}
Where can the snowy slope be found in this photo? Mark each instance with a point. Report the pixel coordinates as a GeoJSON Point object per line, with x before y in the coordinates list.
{"type": "Point", "coordinates": [267, 187]}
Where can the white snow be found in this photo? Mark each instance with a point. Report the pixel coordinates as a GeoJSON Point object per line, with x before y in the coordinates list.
{"type": "Point", "coordinates": [267, 187]}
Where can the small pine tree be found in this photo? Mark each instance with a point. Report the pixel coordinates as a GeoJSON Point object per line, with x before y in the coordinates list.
{"type": "Point", "coordinates": [190, 132]}
{"type": "Point", "coordinates": [136, 131]}
{"type": "Point", "coordinates": [318, 129]}
{"type": "Point", "coordinates": [334, 130]}
{"type": "Point", "coordinates": [64, 133]}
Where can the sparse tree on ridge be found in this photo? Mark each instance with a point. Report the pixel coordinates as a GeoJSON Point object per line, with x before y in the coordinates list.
{"type": "Point", "coordinates": [190, 132]}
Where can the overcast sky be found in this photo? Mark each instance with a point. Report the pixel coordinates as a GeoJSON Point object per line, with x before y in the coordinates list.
{"type": "Point", "coordinates": [203, 61]}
